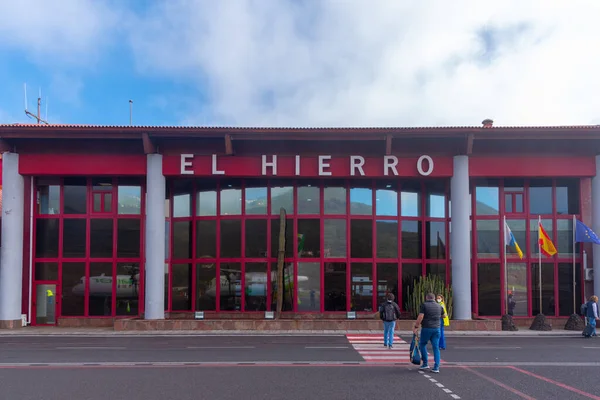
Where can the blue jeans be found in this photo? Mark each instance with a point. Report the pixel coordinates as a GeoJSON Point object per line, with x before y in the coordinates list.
{"type": "Point", "coordinates": [430, 335]}
{"type": "Point", "coordinates": [388, 332]}
{"type": "Point", "coordinates": [592, 323]}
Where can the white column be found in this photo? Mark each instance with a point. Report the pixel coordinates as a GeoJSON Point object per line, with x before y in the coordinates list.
{"type": "Point", "coordinates": [155, 239]}
{"type": "Point", "coordinates": [596, 225]}
{"type": "Point", "coordinates": [11, 252]}
{"type": "Point", "coordinates": [459, 239]}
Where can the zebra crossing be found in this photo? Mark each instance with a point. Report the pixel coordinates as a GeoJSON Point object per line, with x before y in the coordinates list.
{"type": "Point", "coordinates": [370, 347]}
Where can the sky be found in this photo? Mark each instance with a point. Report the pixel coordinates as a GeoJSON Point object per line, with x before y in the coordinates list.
{"type": "Point", "coordinates": [301, 62]}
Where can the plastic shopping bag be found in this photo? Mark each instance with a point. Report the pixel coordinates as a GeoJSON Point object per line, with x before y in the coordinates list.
{"type": "Point", "coordinates": [415, 353]}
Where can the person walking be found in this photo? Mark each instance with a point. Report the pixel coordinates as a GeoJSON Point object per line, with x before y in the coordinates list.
{"type": "Point", "coordinates": [430, 316]}
{"type": "Point", "coordinates": [591, 314]}
{"type": "Point", "coordinates": [444, 322]}
{"type": "Point", "coordinates": [389, 312]}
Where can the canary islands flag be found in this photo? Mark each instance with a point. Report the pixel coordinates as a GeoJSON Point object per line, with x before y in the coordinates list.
{"type": "Point", "coordinates": [546, 246]}
{"type": "Point", "coordinates": [509, 240]}
{"type": "Point", "coordinates": [585, 234]}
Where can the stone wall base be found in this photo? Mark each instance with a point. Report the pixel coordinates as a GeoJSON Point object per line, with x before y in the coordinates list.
{"type": "Point", "coordinates": [11, 324]}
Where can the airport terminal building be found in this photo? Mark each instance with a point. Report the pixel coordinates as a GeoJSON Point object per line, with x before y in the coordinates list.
{"type": "Point", "coordinates": [106, 222]}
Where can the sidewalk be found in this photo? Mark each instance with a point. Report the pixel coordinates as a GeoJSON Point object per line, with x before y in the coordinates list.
{"type": "Point", "coordinates": [109, 332]}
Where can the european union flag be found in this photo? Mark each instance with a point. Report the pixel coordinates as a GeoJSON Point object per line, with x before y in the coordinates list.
{"type": "Point", "coordinates": [585, 234]}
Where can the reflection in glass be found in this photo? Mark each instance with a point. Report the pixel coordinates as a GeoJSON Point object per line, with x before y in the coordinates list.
{"type": "Point", "coordinates": [517, 289]}
{"type": "Point", "coordinates": [411, 239]}
{"type": "Point", "coordinates": [231, 238]}
{"type": "Point", "coordinates": [289, 238]}
{"type": "Point", "coordinates": [548, 300]}
{"type": "Point", "coordinates": [128, 288]}
{"type": "Point", "coordinates": [309, 200]}
{"type": "Point", "coordinates": [540, 196]}
{"type": "Point", "coordinates": [487, 200]}
{"type": "Point", "coordinates": [282, 197]}
{"type": "Point", "coordinates": [73, 289]}
{"type": "Point", "coordinates": [182, 285]}
{"type": "Point", "coordinates": [488, 238]}
{"type": "Point", "coordinates": [256, 200]}
{"type": "Point", "coordinates": [101, 289]}
{"type": "Point", "coordinates": [387, 281]}
{"type": "Point", "coordinates": [46, 271]}
{"type": "Point", "coordinates": [101, 238]}
{"type": "Point", "coordinates": [387, 238]}
{"type": "Point", "coordinates": [335, 286]}
{"type": "Point", "coordinates": [46, 238]}
{"type": "Point", "coordinates": [74, 238]}
{"type": "Point", "coordinates": [74, 193]}
{"type": "Point", "coordinates": [386, 201]}
{"type": "Point", "coordinates": [206, 287]}
{"type": "Point", "coordinates": [309, 238]}
{"type": "Point", "coordinates": [167, 286]}
{"type": "Point", "coordinates": [48, 201]}
{"type": "Point", "coordinates": [564, 240]}
{"type": "Point", "coordinates": [309, 286]}
{"type": "Point", "coordinates": [517, 227]}
{"type": "Point", "coordinates": [335, 238]}
{"type": "Point", "coordinates": [231, 286]}
{"type": "Point", "coordinates": [488, 289]}
{"type": "Point", "coordinates": [436, 269]}
{"type": "Point", "coordinates": [128, 238]}
{"type": "Point", "coordinates": [182, 198]}
{"type": "Point", "coordinates": [361, 201]}
{"type": "Point", "coordinates": [206, 238]}
{"type": "Point", "coordinates": [361, 287]}
{"type": "Point", "coordinates": [45, 310]}
{"type": "Point", "coordinates": [334, 198]}
{"type": "Point", "coordinates": [361, 238]}
{"type": "Point", "coordinates": [288, 287]}
{"type": "Point", "coordinates": [567, 196]}
{"type": "Point", "coordinates": [534, 232]}
{"type": "Point", "coordinates": [182, 239]}
{"type": "Point", "coordinates": [255, 287]}
{"type": "Point", "coordinates": [231, 198]}
{"type": "Point", "coordinates": [410, 272]}
{"type": "Point", "coordinates": [410, 199]}
{"type": "Point", "coordinates": [567, 303]}
{"type": "Point", "coordinates": [256, 238]}
{"type": "Point", "coordinates": [436, 200]}
{"type": "Point", "coordinates": [130, 199]}
{"type": "Point", "coordinates": [206, 199]}
{"type": "Point", "coordinates": [435, 245]}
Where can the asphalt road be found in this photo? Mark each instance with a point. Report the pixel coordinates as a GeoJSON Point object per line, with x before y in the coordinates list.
{"type": "Point", "coordinates": [292, 368]}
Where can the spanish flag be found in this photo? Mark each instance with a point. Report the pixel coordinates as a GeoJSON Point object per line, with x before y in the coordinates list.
{"type": "Point", "coordinates": [546, 246]}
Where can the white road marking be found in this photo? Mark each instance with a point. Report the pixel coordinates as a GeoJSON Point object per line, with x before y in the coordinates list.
{"type": "Point", "coordinates": [447, 390]}
{"type": "Point", "coordinates": [432, 380]}
{"type": "Point", "coordinates": [90, 348]}
{"type": "Point", "coordinates": [221, 347]}
{"type": "Point", "coordinates": [486, 347]}
{"type": "Point", "coordinates": [455, 396]}
{"type": "Point", "coordinates": [326, 347]}
{"type": "Point", "coordinates": [439, 385]}
{"type": "Point", "coordinates": [593, 347]}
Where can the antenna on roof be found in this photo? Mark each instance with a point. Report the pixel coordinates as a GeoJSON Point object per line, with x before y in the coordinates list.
{"type": "Point", "coordinates": [39, 106]}
{"type": "Point", "coordinates": [130, 112]}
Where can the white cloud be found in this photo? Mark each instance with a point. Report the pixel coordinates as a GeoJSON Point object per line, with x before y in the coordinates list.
{"type": "Point", "coordinates": [379, 62]}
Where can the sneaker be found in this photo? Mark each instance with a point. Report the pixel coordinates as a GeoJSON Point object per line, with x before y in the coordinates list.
{"type": "Point", "coordinates": [435, 370]}
{"type": "Point", "coordinates": [391, 347]}
{"type": "Point", "coordinates": [423, 368]}
{"type": "Point", "coordinates": [385, 345]}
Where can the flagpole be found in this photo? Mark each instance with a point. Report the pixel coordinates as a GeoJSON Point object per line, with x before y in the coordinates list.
{"type": "Point", "coordinates": [505, 270]}
{"type": "Point", "coordinates": [574, 274]}
{"type": "Point", "coordinates": [540, 260]}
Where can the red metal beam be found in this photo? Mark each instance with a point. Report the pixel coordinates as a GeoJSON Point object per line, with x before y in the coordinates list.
{"type": "Point", "coordinates": [388, 145]}
{"type": "Point", "coordinates": [228, 145]}
{"type": "Point", "coordinates": [470, 139]}
{"type": "Point", "coordinates": [5, 146]}
{"type": "Point", "coordinates": [149, 147]}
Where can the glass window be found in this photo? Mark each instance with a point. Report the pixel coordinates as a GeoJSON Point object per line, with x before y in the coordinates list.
{"type": "Point", "coordinates": [255, 287]}
{"type": "Point", "coordinates": [128, 238]}
{"type": "Point", "coordinates": [167, 239]}
{"type": "Point", "coordinates": [514, 195]}
{"type": "Point", "coordinates": [517, 227]}
{"type": "Point", "coordinates": [361, 201]}
{"type": "Point", "coordinates": [564, 240]}
{"type": "Point", "coordinates": [435, 245]}
{"type": "Point", "coordinates": [101, 238]}
{"type": "Point", "coordinates": [309, 199]}
{"type": "Point", "coordinates": [436, 199]}
{"type": "Point", "coordinates": [436, 269]}
{"type": "Point", "coordinates": [129, 200]}
{"type": "Point", "coordinates": [534, 232]}
{"type": "Point", "coordinates": [335, 238]}
{"type": "Point", "coordinates": [74, 234]}
{"type": "Point", "coordinates": [231, 287]}
{"type": "Point", "coordinates": [73, 289]}
{"type": "Point", "coordinates": [488, 238]}
{"type": "Point", "coordinates": [410, 199]}
{"type": "Point", "coordinates": [540, 196]}
{"type": "Point", "coordinates": [75, 196]}
{"type": "Point", "coordinates": [361, 287]}
{"type": "Point", "coordinates": [128, 288]}
{"type": "Point", "coordinates": [206, 287]}
{"type": "Point", "coordinates": [387, 281]}
{"type": "Point", "coordinates": [567, 196]}
{"type": "Point", "coordinates": [102, 184]}
{"type": "Point", "coordinates": [282, 197]}
{"type": "Point", "coordinates": [206, 198]}
{"type": "Point", "coordinates": [48, 197]}
{"type": "Point", "coordinates": [288, 287]}
{"type": "Point", "coordinates": [548, 300]}
{"type": "Point", "coordinates": [167, 286]}
{"type": "Point", "coordinates": [387, 238]}
{"type": "Point", "coordinates": [309, 286]}
{"type": "Point", "coordinates": [182, 198]}
{"type": "Point", "coordinates": [386, 200]}
{"type": "Point", "coordinates": [167, 202]}
{"type": "Point", "coordinates": [487, 199]}
{"type": "Point", "coordinates": [569, 300]}
{"type": "Point", "coordinates": [206, 238]}
{"type": "Point", "coordinates": [517, 289]}
{"type": "Point", "coordinates": [334, 198]}
{"type": "Point", "coordinates": [182, 239]}
{"type": "Point", "coordinates": [231, 238]}
{"type": "Point", "coordinates": [46, 238]}
{"type": "Point", "coordinates": [101, 289]}
{"type": "Point", "coordinates": [411, 239]}
{"type": "Point", "coordinates": [46, 271]}
{"type": "Point", "coordinates": [488, 289]}
{"type": "Point", "coordinates": [410, 272]}
{"type": "Point", "coordinates": [256, 238]}
{"type": "Point", "coordinates": [335, 286]}
{"type": "Point", "coordinates": [231, 198]}
{"type": "Point", "coordinates": [182, 285]}
{"type": "Point", "coordinates": [361, 238]}
{"type": "Point", "coordinates": [289, 238]}
{"type": "Point", "coordinates": [309, 238]}
{"type": "Point", "coordinates": [256, 198]}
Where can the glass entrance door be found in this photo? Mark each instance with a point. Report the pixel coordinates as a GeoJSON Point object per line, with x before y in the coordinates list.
{"type": "Point", "coordinates": [45, 304]}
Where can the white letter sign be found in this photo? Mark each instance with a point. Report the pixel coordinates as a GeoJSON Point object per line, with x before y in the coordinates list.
{"type": "Point", "coordinates": [272, 164]}
{"type": "Point", "coordinates": [420, 165]}
{"type": "Point", "coordinates": [390, 162]}
{"type": "Point", "coordinates": [215, 171]}
{"type": "Point", "coordinates": [184, 163]}
{"type": "Point", "coordinates": [357, 162]}
{"type": "Point", "coordinates": [323, 165]}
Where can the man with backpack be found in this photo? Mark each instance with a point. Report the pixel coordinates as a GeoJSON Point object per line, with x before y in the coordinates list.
{"type": "Point", "coordinates": [389, 312]}
{"type": "Point", "coordinates": [590, 311]}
